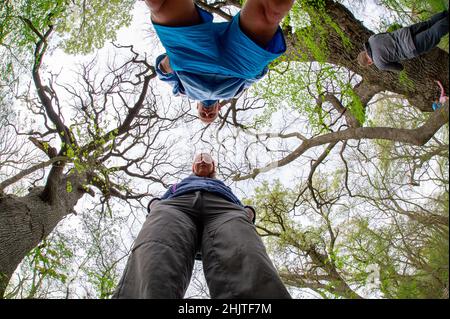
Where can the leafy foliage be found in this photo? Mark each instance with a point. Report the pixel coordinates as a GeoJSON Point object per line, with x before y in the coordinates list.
{"type": "Point", "coordinates": [300, 86]}
{"type": "Point", "coordinates": [81, 26]}
{"type": "Point", "coordinates": [366, 203]}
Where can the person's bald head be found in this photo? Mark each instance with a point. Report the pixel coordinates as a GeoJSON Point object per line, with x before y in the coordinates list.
{"type": "Point", "coordinates": [204, 165]}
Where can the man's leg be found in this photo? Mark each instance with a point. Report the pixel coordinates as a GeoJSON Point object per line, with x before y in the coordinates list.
{"type": "Point", "coordinates": [428, 39]}
{"type": "Point", "coordinates": [174, 13]}
{"type": "Point", "coordinates": [235, 261]}
{"type": "Point", "coordinates": [162, 259]}
{"type": "Point", "coordinates": [260, 18]}
{"type": "Point", "coordinates": [424, 25]}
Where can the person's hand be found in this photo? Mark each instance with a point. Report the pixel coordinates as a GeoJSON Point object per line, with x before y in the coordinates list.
{"type": "Point", "coordinates": [152, 203]}
{"type": "Point", "coordinates": [250, 213]}
{"type": "Point", "coordinates": [165, 66]}
{"type": "Point", "coordinates": [442, 97]}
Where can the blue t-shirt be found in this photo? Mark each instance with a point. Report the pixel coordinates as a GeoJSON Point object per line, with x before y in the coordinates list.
{"type": "Point", "coordinates": [214, 61]}
{"type": "Point", "coordinates": [207, 88]}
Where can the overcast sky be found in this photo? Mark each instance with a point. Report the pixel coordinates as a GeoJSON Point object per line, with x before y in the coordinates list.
{"type": "Point", "coordinates": [140, 34]}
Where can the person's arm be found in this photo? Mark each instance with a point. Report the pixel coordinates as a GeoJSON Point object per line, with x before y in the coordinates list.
{"type": "Point", "coordinates": [153, 201]}
{"type": "Point", "coordinates": [384, 65]}
{"type": "Point", "coordinates": [443, 97]}
{"type": "Point", "coordinates": [260, 20]}
{"type": "Point", "coordinates": [170, 78]}
{"type": "Point", "coordinates": [175, 13]}
{"type": "Point", "coordinates": [154, 5]}
{"type": "Point", "coordinates": [164, 66]}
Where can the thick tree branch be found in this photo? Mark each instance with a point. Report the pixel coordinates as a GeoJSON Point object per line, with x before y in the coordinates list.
{"type": "Point", "coordinates": [418, 136]}
{"type": "Point", "coordinates": [132, 113]}
{"type": "Point", "coordinates": [349, 118]}
{"type": "Point", "coordinates": [29, 171]}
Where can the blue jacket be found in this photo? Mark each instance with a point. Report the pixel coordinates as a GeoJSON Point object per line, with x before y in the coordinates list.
{"type": "Point", "coordinates": [196, 183]}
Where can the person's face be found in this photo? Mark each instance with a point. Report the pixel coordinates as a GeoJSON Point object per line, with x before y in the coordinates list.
{"type": "Point", "coordinates": [203, 165]}
{"type": "Point", "coordinates": [208, 114]}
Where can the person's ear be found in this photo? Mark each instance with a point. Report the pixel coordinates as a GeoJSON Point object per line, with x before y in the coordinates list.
{"type": "Point", "coordinates": [213, 168]}
{"type": "Point", "coordinates": [213, 172]}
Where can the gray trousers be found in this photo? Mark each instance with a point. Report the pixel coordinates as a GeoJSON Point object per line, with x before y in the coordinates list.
{"type": "Point", "coordinates": [235, 261]}
{"type": "Point", "coordinates": [427, 34]}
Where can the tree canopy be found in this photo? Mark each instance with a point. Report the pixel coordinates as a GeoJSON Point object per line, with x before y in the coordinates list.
{"type": "Point", "coordinates": [346, 166]}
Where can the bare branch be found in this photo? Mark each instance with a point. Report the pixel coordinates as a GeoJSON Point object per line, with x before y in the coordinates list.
{"type": "Point", "coordinates": [30, 170]}
{"type": "Point", "coordinates": [418, 136]}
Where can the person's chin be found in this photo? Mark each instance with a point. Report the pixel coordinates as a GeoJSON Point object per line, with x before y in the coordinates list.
{"type": "Point", "coordinates": [202, 173]}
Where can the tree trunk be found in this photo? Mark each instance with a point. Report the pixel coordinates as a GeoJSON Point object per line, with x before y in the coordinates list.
{"type": "Point", "coordinates": [419, 87]}
{"type": "Point", "coordinates": [25, 221]}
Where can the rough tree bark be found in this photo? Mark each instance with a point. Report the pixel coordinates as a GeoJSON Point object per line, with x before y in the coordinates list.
{"type": "Point", "coordinates": [25, 221]}
{"type": "Point", "coordinates": [418, 136]}
{"type": "Point", "coordinates": [419, 87]}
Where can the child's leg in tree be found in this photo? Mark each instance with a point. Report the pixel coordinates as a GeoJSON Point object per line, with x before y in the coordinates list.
{"type": "Point", "coordinates": [260, 18]}
{"type": "Point", "coordinates": [428, 39]}
{"type": "Point", "coordinates": [422, 26]}
{"type": "Point", "coordinates": [174, 13]}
